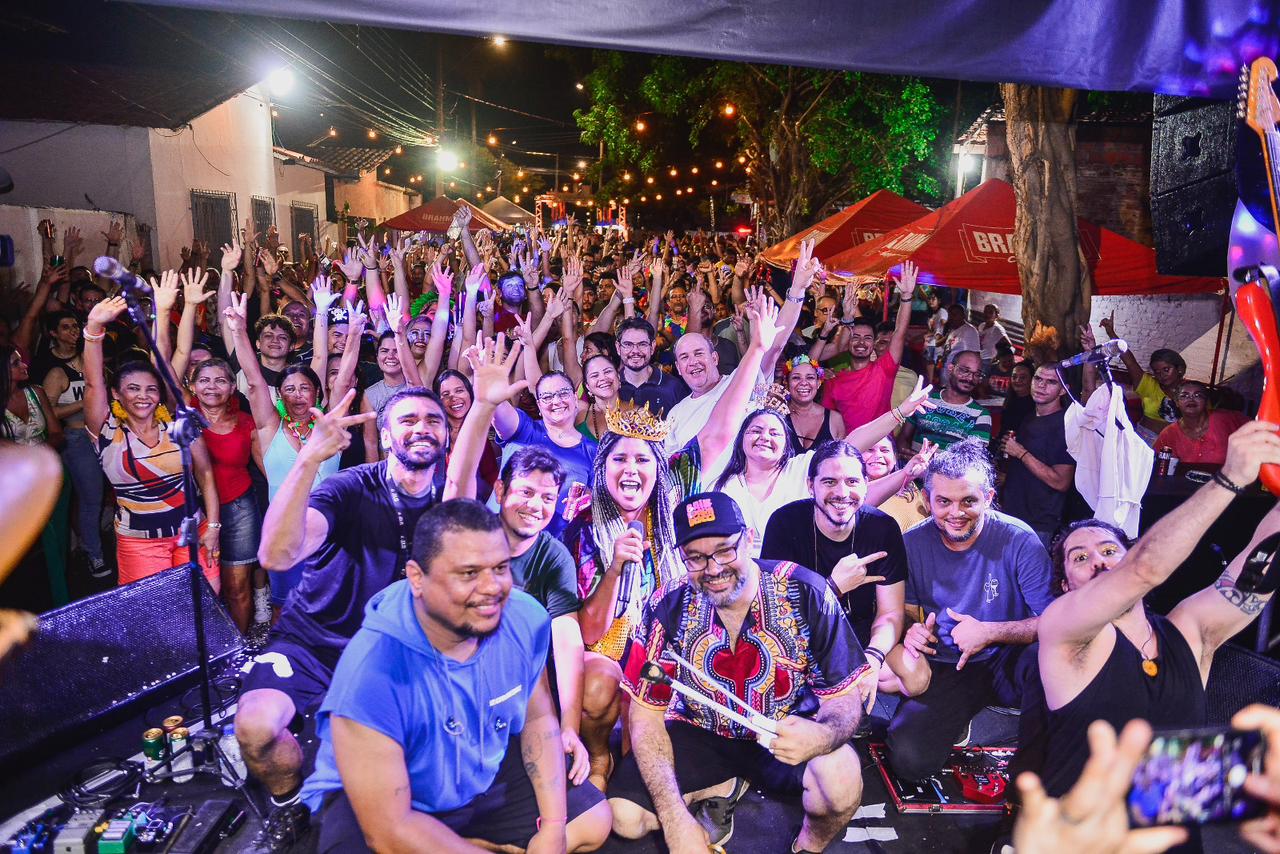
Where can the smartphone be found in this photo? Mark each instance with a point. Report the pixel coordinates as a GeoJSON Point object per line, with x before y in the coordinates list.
{"type": "Point", "coordinates": [1197, 776]}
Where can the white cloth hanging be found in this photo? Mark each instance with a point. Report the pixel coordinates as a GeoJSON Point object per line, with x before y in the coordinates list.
{"type": "Point", "coordinates": [1113, 463]}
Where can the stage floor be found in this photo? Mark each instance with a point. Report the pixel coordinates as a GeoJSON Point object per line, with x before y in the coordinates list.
{"type": "Point", "coordinates": [764, 825]}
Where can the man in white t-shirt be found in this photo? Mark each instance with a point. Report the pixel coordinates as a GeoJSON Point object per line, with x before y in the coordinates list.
{"type": "Point", "coordinates": [990, 333]}
{"type": "Point", "coordinates": [699, 366]}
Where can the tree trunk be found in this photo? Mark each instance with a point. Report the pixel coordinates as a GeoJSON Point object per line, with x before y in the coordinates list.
{"type": "Point", "coordinates": [1057, 285]}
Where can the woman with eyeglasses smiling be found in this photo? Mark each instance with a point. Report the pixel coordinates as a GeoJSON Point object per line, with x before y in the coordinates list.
{"type": "Point", "coordinates": [558, 433]}
{"type": "Point", "coordinates": [1199, 436]}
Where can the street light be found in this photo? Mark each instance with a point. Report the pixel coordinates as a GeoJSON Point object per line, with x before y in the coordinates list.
{"type": "Point", "coordinates": [640, 126]}
{"type": "Point", "coordinates": [649, 180]}
{"type": "Point", "coordinates": [582, 164]}
{"type": "Point", "coordinates": [280, 81]}
{"type": "Point", "coordinates": [578, 86]}
{"type": "Point", "coordinates": [499, 41]}
{"type": "Point", "coordinates": [447, 161]}
{"type": "Point", "coordinates": [577, 177]}
{"type": "Point", "coordinates": [729, 110]}
{"type": "Point", "coordinates": [493, 140]}
{"type": "Point", "coordinates": [694, 170]}
{"type": "Point", "coordinates": [373, 134]}
{"type": "Point", "coordinates": [719, 164]}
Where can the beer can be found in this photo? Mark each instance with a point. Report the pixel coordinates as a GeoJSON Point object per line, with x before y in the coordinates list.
{"type": "Point", "coordinates": [1162, 462]}
{"type": "Point", "coordinates": [171, 723]}
{"type": "Point", "coordinates": [153, 744]}
{"type": "Point", "coordinates": [177, 740]}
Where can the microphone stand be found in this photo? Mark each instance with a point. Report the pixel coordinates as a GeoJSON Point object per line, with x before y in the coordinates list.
{"type": "Point", "coordinates": [185, 429]}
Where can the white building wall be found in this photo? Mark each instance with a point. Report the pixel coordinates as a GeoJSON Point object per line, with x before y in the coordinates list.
{"type": "Point", "coordinates": [228, 149]}
{"type": "Point", "coordinates": [303, 184]}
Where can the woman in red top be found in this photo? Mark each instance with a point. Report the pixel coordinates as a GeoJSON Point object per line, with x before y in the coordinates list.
{"type": "Point", "coordinates": [1199, 435]}
{"type": "Point", "coordinates": [232, 440]}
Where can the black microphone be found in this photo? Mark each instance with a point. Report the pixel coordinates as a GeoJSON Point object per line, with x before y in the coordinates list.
{"type": "Point", "coordinates": [109, 268]}
{"type": "Point", "coordinates": [1101, 353]}
{"type": "Point", "coordinates": [628, 569]}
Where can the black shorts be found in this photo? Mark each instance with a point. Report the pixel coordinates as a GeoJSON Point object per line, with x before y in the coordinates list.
{"type": "Point", "coordinates": [504, 814]}
{"type": "Point", "coordinates": [288, 665]}
{"type": "Point", "coordinates": [704, 759]}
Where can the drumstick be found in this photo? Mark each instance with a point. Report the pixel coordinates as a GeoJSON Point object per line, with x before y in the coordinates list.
{"type": "Point", "coordinates": [654, 673]}
{"type": "Point", "coordinates": [715, 686]}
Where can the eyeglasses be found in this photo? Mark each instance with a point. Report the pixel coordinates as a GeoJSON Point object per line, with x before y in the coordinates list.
{"type": "Point", "coordinates": [722, 556]}
{"type": "Point", "coordinates": [553, 396]}
{"type": "Point", "coordinates": [634, 345]}
{"type": "Point", "coordinates": [965, 372]}
{"type": "Point", "coordinates": [1192, 395]}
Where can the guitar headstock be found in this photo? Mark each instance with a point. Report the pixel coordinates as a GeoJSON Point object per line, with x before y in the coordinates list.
{"type": "Point", "coordinates": [1256, 102]}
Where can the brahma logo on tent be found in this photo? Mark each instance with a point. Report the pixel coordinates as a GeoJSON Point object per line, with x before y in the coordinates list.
{"type": "Point", "coordinates": [984, 243]}
{"type": "Point", "coordinates": [904, 244]}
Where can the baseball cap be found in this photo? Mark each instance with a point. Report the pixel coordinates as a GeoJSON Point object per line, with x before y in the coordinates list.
{"type": "Point", "coordinates": [707, 514]}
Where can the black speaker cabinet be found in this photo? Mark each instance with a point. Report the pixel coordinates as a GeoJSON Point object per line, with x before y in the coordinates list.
{"type": "Point", "coordinates": [104, 653]}
{"type": "Point", "coordinates": [1193, 184]}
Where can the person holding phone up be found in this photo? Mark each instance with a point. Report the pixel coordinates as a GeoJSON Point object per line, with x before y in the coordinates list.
{"type": "Point", "coordinates": [1103, 656]}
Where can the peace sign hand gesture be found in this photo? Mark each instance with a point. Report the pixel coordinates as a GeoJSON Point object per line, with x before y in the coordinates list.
{"type": "Point", "coordinates": [332, 431]}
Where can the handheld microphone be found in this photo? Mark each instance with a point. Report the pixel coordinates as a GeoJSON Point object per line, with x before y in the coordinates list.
{"type": "Point", "coordinates": [109, 268]}
{"type": "Point", "coordinates": [1102, 353]}
{"type": "Point", "coordinates": [629, 570]}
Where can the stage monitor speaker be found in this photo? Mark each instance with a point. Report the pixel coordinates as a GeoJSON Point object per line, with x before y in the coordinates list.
{"type": "Point", "coordinates": [1240, 677]}
{"type": "Point", "coordinates": [1193, 184]}
{"type": "Point", "coordinates": [101, 654]}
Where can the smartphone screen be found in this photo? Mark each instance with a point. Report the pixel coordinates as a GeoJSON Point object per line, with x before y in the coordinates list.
{"type": "Point", "coordinates": [1196, 777]}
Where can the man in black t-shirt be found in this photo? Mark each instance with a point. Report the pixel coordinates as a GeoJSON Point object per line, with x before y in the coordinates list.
{"type": "Point", "coordinates": [357, 529]}
{"type": "Point", "coordinates": [859, 550]}
{"type": "Point", "coordinates": [1040, 470]}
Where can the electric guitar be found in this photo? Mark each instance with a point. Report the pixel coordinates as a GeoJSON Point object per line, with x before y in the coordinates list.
{"type": "Point", "coordinates": [1259, 108]}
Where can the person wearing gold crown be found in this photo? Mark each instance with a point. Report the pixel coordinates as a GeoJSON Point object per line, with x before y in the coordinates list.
{"type": "Point", "coordinates": [618, 567]}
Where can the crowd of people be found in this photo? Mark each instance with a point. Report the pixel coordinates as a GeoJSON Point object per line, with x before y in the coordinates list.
{"type": "Point", "coordinates": [476, 488]}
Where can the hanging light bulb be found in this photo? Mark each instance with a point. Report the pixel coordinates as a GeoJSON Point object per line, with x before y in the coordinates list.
{"type": "Point", "coordinates": [694, 170]}
{"type": "Point", "coordinates": [333, 131]}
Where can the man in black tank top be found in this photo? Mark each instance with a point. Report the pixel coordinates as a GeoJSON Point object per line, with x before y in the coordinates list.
{"type": "Point", "coordinates": [1103, 656]}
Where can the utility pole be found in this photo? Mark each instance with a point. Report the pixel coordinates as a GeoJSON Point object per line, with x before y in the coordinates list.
{"type": "Point", "coordinates": [439, 110]}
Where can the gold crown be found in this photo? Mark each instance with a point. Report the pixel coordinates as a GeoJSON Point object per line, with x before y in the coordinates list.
{"type": "Point", "coordinates": [635, 423]}
{"type": "Point", "coordinates": [771, 397]}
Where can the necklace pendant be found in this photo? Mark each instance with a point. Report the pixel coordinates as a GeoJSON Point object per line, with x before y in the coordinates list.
{"type": "Point", "coordinates": [1149, 667]}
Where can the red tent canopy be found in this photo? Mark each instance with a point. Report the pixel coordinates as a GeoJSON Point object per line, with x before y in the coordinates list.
{"type": "Point", "coordinates": [437, 214]}
{"type": "Point", "coordinates": [969, 244]}
{"type": "Point", "coordinates": [880, 212]}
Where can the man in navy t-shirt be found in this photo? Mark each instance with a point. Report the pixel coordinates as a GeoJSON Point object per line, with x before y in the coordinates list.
{"type": "Point", "coordinates": [977, 581]}
{"type": "Point", "coordinates": [439, 726]}
{"type": "Point", "coordinates": [357, 529]}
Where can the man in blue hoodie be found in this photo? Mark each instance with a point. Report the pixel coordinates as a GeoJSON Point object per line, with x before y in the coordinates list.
{"type": "Point", "coordinates": [439, 725]}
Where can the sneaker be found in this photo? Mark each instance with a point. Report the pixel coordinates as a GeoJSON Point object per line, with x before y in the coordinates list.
{"type": "Point", "coordinates": [262, 605]}
{"type": "Point", "coordinates": [286, 826]}
{"type": "Point", "coordinates": [968, 733]}
{"type": "Point", "coordinates": [716, 814]}
{"type": "Point", "coordinates": [98, 567]}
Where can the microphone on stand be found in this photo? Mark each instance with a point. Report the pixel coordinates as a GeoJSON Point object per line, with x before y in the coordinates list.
{"type": "Point", "coordinates": [1102, 353]}
{"type": "Point", "coordinates": [109, 268]}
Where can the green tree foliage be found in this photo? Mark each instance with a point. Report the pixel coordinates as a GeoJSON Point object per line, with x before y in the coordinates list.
{"type": "Point", "coordinates": [811, 138]}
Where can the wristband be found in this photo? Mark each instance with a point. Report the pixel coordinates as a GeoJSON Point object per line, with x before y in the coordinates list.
{"type": "Point", "coordinates": [1226, 483]}
{"type": "Point", "coordinates": [541, 819]}
{"type": "Point", "coordinates": [628, 300]}
{"type": "Point", "coordinates": [1022, 455]}
{"type": "Point", "coordinates": [110, 244]}
{"type": "Point", "coordinates": [214, 525]}
{"type": "Point", "coordinates": [875, 653]}
{"type": "Point", "coordinates": [88, 336]}
{"type": "Point", "coordinates": [797, 300]}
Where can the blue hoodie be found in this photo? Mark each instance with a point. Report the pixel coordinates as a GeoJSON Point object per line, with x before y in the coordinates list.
{"type": "Point", "coordinates": [452, 719]}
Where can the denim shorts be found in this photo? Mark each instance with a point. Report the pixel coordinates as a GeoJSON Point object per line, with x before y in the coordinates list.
{"type": "Point", "coordinates": [241, 531]}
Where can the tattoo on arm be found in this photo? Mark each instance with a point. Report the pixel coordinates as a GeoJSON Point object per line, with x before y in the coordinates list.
{"type": "Point", "coordinates": [1249, 603]}
{"type": "Point", "coordinates": [531, 753]}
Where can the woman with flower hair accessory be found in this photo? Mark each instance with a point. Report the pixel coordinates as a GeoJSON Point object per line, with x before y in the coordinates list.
{"type": "Point", "coordinates": [812, 424]}
{"type": "Point", "coordinates": [142, 462]}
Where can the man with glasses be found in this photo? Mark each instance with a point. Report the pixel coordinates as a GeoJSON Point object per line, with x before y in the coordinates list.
{"type": "Point", "coordinates": [957, 416]}
{"type": "Point", "coordinates": [643, 382]}
{"type": "Point", "coordinates": [1040, 469]}
{"type": "Point", "coordinates": [770, 634]}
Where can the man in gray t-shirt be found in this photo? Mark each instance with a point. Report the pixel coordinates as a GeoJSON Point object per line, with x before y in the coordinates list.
{"type": "Point", "coordinates": [978, 580]}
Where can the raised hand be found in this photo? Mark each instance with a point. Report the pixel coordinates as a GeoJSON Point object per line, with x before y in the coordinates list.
{"type": "Point", "coordinates": [918, 399]}
{"type": "Point", "coordinates": [1087, 339]}
{"type": "Point", "coordinates": [491, 366]}
{"type": "Point", "coordinates": [906, 283]}
{"type": "Point", "coordinates": [462, 217]}
{"type": "Point", "coordinates": [850, 572]}
{"type": "Point", "coordinates": [193, 282]}
{"type": "Point", "coordinates": [235, 317]}
{"type": "Point", "coordinates": [916, 465]}
{"type": "Point", "coordinates": [697, 301]}
{"type": "Point", "coordinates": [523, 331]}
{"type": "Point", "coordinates": [764, 321]}
{"type": "Point", "coordinates": [558, 304]}
{"type": "Point", "coordinates": [395, 313]}
{"type": "Point", "coordinates": [572, 278]}
{"type": "Point", "coordinates": [71, 242]}
{"type": "Point", "coordinates": [351, 265]}
{"type": "Point", "coordinates": [477, 278]}
{"type": "Point", "coordinates": [231, 254]}
{"type": "Point", "coordinates": [273, 239]}
{"type": "Point", "coordinates": [741, 268]}
{"type": "Point", "coordinates": [1248, 449]}
{"type": "Point", "coordinates": [166, 291]}
{"type": "Point", "coordinates": [969, 634]}
{"type": "Point", "coordinates": [806, 268]}
{"type": "Point", "coordinates": [322, 294]}
{"type": "Point", "coordinates": [331, 433]}
{"type": "Point", "coordinates": [138, 249]}
{"type": "Point", "coordinates": [114, 233]}
{"type": "Point", "coordinates": [248, 236]}
{"type": "Point", "coordinates": [1109, 325]}
{"type": "Point", "coordinates": [269, 260]}
{"type": "Point", "coordinates": [103, 314]}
